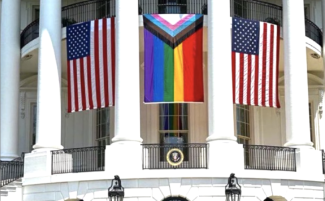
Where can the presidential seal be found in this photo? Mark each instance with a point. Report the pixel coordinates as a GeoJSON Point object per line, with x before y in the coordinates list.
{"type": "Point", "coordinates": [175, 157]}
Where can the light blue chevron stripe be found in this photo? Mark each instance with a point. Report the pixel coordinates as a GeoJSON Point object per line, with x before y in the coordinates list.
{"type": "Point", "coordinates": [177, 30]}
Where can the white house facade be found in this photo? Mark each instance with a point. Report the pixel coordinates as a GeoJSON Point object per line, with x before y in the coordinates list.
{"type": "Point", "coordinates": [48, 154]}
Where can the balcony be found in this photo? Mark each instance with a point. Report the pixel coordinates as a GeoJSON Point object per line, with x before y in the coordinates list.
{"type": "Point", "coordinates": [11, 170]}
{"type": "Point", "coordinates": [72, 14]}
{"type": "Point", "coordinates": [175, 156]}
{"type": "Point", "coordinates": [263, 11]}
{"type": "Point", "coordinates": [95, 9]}
{"type": "Point", "coordinates": [85, 159]}
{"type": "Point", "coordinates": [258, 157]}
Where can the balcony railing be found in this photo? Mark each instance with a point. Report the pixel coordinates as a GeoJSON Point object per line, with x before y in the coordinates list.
{"type": "Point", "coordinates": [72, 14]}
{"type": "Point", "coordinates": [263, 11]}
{"type": "Point", "coordinates": [260, 157]}
{"type": "Point", "coordinates": [95, 9]}
{"type": "Point", "coordinates": [174, 156]}
{"type": "Point", "coordinates": [86, 159]}
{"type": "Point", "coordinates": [11, 170]}
{"type": "Point", "coordinates": [176, 7]}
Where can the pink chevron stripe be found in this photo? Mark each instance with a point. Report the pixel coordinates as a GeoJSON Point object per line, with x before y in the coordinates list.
{"type": "Point", "coordinates": [172, 26]}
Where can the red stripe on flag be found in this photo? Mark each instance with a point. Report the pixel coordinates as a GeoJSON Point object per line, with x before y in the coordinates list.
{"type": "Point", "coordinates": [271, 68]}
{"type": "Point", "coordinates": [82, 81]}
{"type": "Point", "coordinates": [277, 66]}
{"type": "Point", "coordinates": [96, 53]}
{"type": "Point", "coordinates": [256, 80]}
{"type": "Point", "coordinates": [113, 56]}
{"type": "Point", "coordinates": [249, 69]}
{"type": "Point", "coordinates": [90, 93]}
{"type": "Point", "coordinates": [105, 61]}
{"type": "Point", "coordinates": [241, 78]}
{"type": "Point", "coordinates": [69, 89]}
{"type": "Point", "coordinates": [193, 83]}
{"type": "Point", "coordinates": [75, 78]}
{"type": "Point", "coordinates": [233, 57]}
{"type": "Point", "coordinates": [198, 71]}
{"type": "Point", "coordinates": [264, 62]}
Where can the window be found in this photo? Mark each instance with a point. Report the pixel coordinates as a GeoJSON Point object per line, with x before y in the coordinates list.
{"type": "Point", "coordinates": [103, 127]}
{"type": "Point", "coordinates": [311, 126]}
{"type": "Point", "coordinates": [307, 11]}
{"type": "Point", "coordinates": [242, 124]}
{"type": "Point", "coordinates": [102, 133]}
{"type": "Point", "coordinates": [35, 12]}
{"type": "Point", "coordinates": [103, 9]}
{"type": "Point", "coordinates": [173, 127]}
{"type": "Point", "coordinates": [172, 6]}
{"type": "Point", "coordinates": [33, 125]}
{"type": "Point", "coordinates": [240, 8]}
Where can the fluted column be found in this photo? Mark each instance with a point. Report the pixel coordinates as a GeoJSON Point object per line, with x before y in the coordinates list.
{"type": "Point", "coordinates": [220, 102]}
{"type": "Point", "coordinates": [295, 71]}
{"type": "Point", "coordinates": [48, 130]}
{"type": "Point", "coordinates": [10, 70]}
{"type": "Point", "coordinates": [127, 89]}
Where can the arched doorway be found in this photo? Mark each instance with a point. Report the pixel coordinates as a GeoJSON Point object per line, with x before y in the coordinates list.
{"type": "Point", "coordinates": [277, 198]}
{"type": "Point", "coordinates": [175, 198]}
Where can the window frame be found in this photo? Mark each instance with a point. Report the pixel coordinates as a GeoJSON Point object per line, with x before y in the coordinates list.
{"type": "Point", "coordinates": [32, 140]}
{"type": "Point", "coordinates": [249, 138]}
{"type": "Point", "coordinates": [311, 118]}
{"type": "Point", "coordinates": [98, 137]}
{"type": "Point", "coordinates": [34, 10]}
{"type": "Point", "coordinates": [164, 132]}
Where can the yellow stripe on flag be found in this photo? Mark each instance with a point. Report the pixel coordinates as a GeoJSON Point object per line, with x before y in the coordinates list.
{"type": "Point", "coordinates": [178, 74]}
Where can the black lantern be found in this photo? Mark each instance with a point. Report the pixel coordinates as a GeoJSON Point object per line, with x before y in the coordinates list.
{"type": "Point", "coordinates": [233, 189]}
{"type": "Point", "coordinates": [116, 191]}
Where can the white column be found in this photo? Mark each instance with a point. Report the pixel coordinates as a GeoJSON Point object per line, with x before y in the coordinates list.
{"type": "Point", "coordinates": [48, 130]}
{"type": "Point", "coordinates": [220, 103]}
{"type": "Point", "coordinates": [295, 70]}
{"type": "Point", "coordinates": [127, 89]}
{"type": "Point", "coordinates": [10, 71]}
{"type": "Point", "coordinates": [323, 31]}
{"type": "Point", "coordinates": [321, 91]}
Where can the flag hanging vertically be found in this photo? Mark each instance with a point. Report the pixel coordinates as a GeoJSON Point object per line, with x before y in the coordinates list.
{"type": "Point", "coordinates": [91, 64]}
{"type": "Point", "coordinates": [173, 64]}
{"type": "Point", "coordinates": [255, 62]}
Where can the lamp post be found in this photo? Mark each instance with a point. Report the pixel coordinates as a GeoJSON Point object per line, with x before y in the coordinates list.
{"type": "Point", "coordinates": [116, 191]}
{"type": "Point", "coordinates": [233, 189]}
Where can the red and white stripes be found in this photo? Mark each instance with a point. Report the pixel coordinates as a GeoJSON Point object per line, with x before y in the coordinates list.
{"type": "Point", "coordinates": [91, 79]}
{"type": "Point", "coordinates": [255, 77]}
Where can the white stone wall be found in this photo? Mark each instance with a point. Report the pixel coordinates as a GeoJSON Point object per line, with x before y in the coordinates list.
{"type": "Point", "coordinates": [199, 189]}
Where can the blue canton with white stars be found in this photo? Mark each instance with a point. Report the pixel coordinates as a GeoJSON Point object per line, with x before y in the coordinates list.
{"type": "Point", "coordinates": [78, 40]}
{"type": "Point", "coordinates": [245, 36]}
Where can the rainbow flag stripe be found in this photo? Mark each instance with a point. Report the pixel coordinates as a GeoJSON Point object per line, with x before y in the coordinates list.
{"type": "Point", "coordinates": [173, 58]}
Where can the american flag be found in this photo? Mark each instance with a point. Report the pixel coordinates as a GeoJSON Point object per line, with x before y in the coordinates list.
{"type": "Point", "coordinates": [255, 62]}
{"type": "Point", "coordinates": [91, 64]}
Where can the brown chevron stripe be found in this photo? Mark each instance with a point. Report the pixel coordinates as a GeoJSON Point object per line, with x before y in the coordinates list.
{"type": "Point", "coordinates": [168, 39]}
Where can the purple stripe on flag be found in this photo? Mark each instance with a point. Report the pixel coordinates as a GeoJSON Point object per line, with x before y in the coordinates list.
{"type": "Point", "coordinates": [148, 66]}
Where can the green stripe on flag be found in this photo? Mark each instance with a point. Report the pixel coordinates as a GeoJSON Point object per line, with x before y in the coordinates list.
{"type": "Point", "coordinates": [169, 73]}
